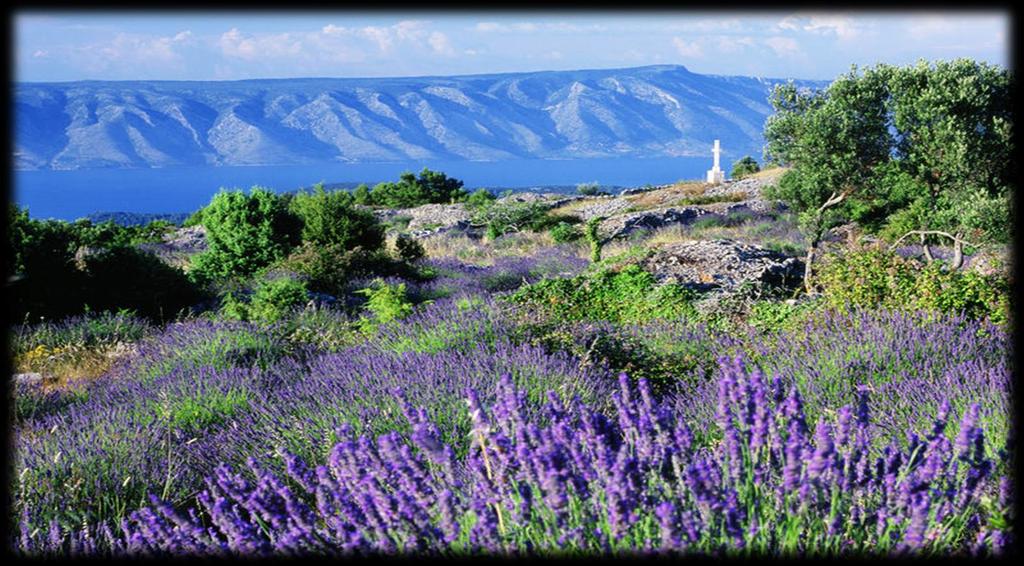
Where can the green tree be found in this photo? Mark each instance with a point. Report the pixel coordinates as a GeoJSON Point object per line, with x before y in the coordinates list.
{"type": "Point", "coordinates": [747, 165]}
{"type": "Point", "coordinates": [245, 232]}
{"type": "Point", "coordinates": [440, 188]}
{"type": "Point", "coordinates": [406, 193]}
{"type": "Point", "coordinates": [834, 140]}
{"type": "Point", "coordinates": [954, 150]}
{"type": "Point", "coordinates": [362, 195]}
{"type": "Point", "coordinates": [332, 218]}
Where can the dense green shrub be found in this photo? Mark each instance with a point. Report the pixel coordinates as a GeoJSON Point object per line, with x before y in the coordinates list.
{"type": "Point", "coordinates": [590, 233]}
{"type": "Point", "coordinates": [245, 232]}
{"type": "Point", "coordinates": [125, 277]}
{"type": "Point", "coordinates": [480, 199]}
{"type": "Point", "coordinates": [745, 166]}
{"type": "Point", "coordinates": [410, 190]}
{"type": "Point", "coordinates": [406, 193]}
{"type": "Point", "coordinates": [385, 303]}
{"type": "Point", "coordinates": [41, 258]}
{"type": "Point", "coordinates": [329, 268]}
{"type": "Point", "coordinates": [629, 295]}
{"type": "Point", "coordinates": [876, 278]}
{"type": "Point", "coordinates": [589, 189]}
{"type": "Point", "coordinates": [361, 195]}
{"type": "Point", "coordinates": [408, 248]}
{"type": "Point", "coordinates": [503, 218]}
{"type": "Point", "coordinates": [564, 232]}
{"type": "Point", "coordinates": [441, 188]}
{"type": "Point", "coordinates": [330, 218]}
{"type": "Point", "coordinates": [271, 301]}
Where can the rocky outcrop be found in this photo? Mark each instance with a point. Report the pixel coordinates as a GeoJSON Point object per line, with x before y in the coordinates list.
{"type": "Point", "coordinates": [603, 206]}
{"type": "Point", "coordinates": [178, 246]}
{"type": "Point", "coordinates": [723, 266]}
{"type": "Point", "coordinates": [623, 225]}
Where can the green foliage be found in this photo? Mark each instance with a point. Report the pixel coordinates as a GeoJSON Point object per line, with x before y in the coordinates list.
{"type": "Point", "coordinates": [361, 195]}
{"type": "Point", "coordinates": [564, 232]}
{"type": "Point", "coordinates": [480, 199]}
{"type": "Point", "coordinates": [128, 278]}
{"type": "Point", "coordinates": [210, 409]}
{"type": "Point", "coordinates": [875, 278]}
{"type": "Point", "coordinates": [329, 269]}
{"type": "Point", "coordinates": [330, 218]}
{"type": "Point", "coordinates": [245, 232]}
{"type": "Point", "coordinates": [386, 303]}
{"type": "Point", "coordinates": [745, 166]}
{"type": "Point", "coordinates": [924, 147]}
{"type": "Point", "coordinates": [441, 188]}
{"type": "Point", "coordinates": [629, 295]}
{"type": "Point", "coordinates": [53, 282]}
{"type": "Point", "coordinates": [408, 248]}
{"type": "Point", "coordinates": [589, 189]}
{"type": "Point", "coordinates": [503, 218]}
{"type": "Point", "coordinates": [590, 233]}
{"type": "Point", "coordinates": [410, 190]}
{"type": "Point", "coordinates": [767, 315]}
{"type": "Point", "coordinates": [271, 301]}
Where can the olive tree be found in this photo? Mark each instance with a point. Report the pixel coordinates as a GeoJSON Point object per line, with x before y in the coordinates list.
{"type": "Point", "coordinates": [833, 140]}
{"type": "Point", "coordinates": [954, 149]}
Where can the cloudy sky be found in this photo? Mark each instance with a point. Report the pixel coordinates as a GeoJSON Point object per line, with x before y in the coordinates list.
{"type": "Point", "coordinates": [64, 46]}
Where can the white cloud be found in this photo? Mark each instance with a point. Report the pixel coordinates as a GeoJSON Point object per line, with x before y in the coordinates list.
{"type": "Point", "coordinates": [440, 43]}
{"type": "Point", "coordinates": [40, 53]}
{"type": "Point", "coordinates": [688, 48]}
{"type": "Point", "coordinates": [532, 27]}
{"type": "Point", "coordinates": [783, 46]}
{"type": "Point", "coordinates": [843, 27]}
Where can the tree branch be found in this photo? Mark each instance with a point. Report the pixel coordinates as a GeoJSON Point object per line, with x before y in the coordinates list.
{"type": "Point", "coordinates": [932, 233]}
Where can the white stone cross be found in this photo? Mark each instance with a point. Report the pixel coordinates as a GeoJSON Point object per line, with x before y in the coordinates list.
{"type": "Point", "coordinates": [716, 175]}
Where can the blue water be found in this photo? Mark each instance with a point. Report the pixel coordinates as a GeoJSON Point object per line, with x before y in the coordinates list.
{"type": "Point", "coordinates": [68, 195]}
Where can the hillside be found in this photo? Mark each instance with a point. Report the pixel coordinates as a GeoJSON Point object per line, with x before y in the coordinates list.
{"type": "Point", "coordinates": [658, 111]}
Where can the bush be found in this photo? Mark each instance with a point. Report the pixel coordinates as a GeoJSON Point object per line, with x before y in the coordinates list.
{"type": "Point", "coordinates": [128, 278]}
{"type": "Point", "coordinates": [480, 199]}
{"type": "Point", "coordinates": [361, 195]}
{"type": "Point", "coordinates": [629, 295]}
{"type": "Point", "coordinates": [271, 301]}
{"type": "Point", "coordinates": [42, 257]}
{"type": "Point", "coordinates": [590, 232]}
{"type": "Point", "coordinates": [747, 165]}
{"type": "Point", "coordinates": [329, 268]}
{"type": "Point", "coordinates": [386, 303]}
{"type": "Point", "coordinates": [503, 218]}
{"type": "Point", "coordinates": [408, 249]}
{"type": "Point", "coordinates": [876, 278]}
{"type": "Point", "coordinates": [589, 189]}
{"type": "Point", "coordinates": [410, 191]}
{"type": "Point", "coordinates": [245, 232]}
{"type": "Point", "coordinates": [564, 232]}
{"type": "Point", "coordinates": [330, 218]}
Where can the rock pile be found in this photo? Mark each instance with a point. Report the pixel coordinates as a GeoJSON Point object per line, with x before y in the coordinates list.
{"type": "Point", "coordinates": [724, 266]}
{"type": "Point", "coordinates": [625, 224]}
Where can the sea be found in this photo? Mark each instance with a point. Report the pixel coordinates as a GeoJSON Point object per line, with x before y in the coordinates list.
{"type": "Point", "coordinates": [69, 195]}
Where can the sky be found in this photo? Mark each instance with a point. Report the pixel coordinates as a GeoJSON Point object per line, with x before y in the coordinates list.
{"type": "Point", "coordinates": [181, 45]}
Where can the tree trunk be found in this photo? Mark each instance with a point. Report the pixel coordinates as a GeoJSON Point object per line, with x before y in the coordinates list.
{"type": "Point", "coordinates": [958, 253]}
{"type": "Point", "coordinates": [812, 249]}
{"type": "Point", "coordinates": [926, 248]}
{"type": "Point", "coordinates": [807, 266]}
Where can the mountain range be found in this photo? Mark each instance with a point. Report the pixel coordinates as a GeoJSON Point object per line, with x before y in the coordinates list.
{"type": "Point", "coordinates": [655, 111]}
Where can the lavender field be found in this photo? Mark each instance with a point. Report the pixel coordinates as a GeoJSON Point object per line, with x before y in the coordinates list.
{"type": "Point", "coordinates": [801, 353]}
{"type": "Point", "coordinates": [456, 431]}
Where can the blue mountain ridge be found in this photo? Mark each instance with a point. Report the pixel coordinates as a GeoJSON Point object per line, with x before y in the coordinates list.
{"type": "Point", "coordinates": [654, 111]}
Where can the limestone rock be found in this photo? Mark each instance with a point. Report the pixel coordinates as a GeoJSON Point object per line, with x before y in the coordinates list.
{"type": "Point", "coordinates": [723, 266]}
{"type": "Point", "coordinates": [625, 224]}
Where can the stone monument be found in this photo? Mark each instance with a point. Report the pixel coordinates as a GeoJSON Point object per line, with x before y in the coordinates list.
{"type": "Point", "coordinates": [716, 176]}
